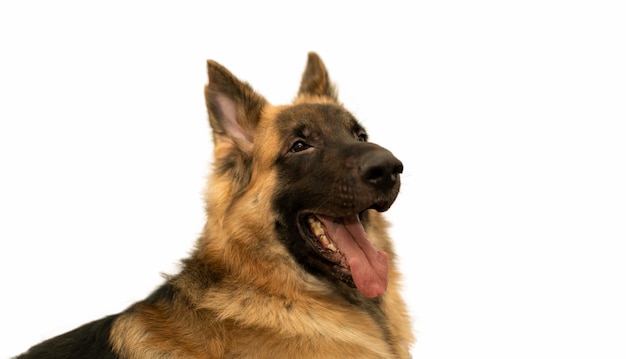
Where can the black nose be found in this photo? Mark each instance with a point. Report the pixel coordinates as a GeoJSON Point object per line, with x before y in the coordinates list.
{"type": "Point", "coordinates": [380, 168]}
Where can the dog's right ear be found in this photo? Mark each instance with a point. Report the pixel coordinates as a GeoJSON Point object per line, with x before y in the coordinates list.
{"type": "Point", "coordinates": [234, 112]}
{"type": "Point", "coordinates": [234, 109]}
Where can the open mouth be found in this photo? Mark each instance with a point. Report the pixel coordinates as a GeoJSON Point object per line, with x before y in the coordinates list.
{"type": "Point", "coordinates": [343, 242]}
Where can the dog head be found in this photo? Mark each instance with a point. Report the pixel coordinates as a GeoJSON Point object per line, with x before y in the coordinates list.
{"type": "Point", "coordinates": [312, 164]}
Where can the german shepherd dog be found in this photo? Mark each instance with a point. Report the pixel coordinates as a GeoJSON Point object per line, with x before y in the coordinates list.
{"type": "Point", "coordinates": [294, 260]}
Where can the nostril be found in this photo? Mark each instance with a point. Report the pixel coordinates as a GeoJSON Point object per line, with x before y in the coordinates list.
{"type": "Point", "coordinates": [375, 174]}
{"type": "Point", "coordinates": [398, 169]}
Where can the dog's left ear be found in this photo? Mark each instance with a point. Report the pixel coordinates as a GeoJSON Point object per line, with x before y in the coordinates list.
{"type": "Point", "coordinates": [315, 80]}
{"type": "Point", "coordinates": [234, 108]}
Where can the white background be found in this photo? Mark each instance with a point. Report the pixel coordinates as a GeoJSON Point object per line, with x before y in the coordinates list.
{"type": "Point", "coordinates": [508, 115]}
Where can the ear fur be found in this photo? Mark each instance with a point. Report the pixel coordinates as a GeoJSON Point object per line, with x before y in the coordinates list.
{"type": "Point", "coordinates": [315, 80]}
{"type": "Point", "coordinates": [234, 108]}
{"type": "Point", "coordinates": [234, 111]}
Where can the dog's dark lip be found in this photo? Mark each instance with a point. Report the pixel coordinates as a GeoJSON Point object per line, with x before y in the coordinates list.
{"type": "Point", "coordinates": [380, 206]}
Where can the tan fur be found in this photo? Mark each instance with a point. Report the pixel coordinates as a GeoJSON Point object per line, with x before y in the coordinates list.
{"type": "Point", "coordinates": [264, 305]}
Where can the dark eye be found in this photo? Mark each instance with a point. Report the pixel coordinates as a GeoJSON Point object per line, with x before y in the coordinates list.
{"type": "Point", "coordinates": [362, 137]}
{"type": "Point", "coordinates": [299, 146]}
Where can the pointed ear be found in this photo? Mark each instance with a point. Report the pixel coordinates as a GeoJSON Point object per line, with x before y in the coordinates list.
{"type": "Point", "coordinates": [315, 81]}
{"type": "Point", "coordinates": [234, 112]}
{"type": "Point", "coordinates": [234, 108]}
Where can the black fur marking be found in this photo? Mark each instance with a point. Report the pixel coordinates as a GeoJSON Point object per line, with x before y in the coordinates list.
{"type": "Point", "coordinates": [308, 179]}
{"type": "Point", "coordinates": [89, 341]}
{"type": "Point", "coordinates": [164, 293]}
{"type": "Point", "coordinates": [336, 173]}
{"type": "Point", "coordinates": [237, 166]}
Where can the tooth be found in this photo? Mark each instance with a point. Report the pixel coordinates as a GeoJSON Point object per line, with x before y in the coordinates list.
{"type": "Point", "coordinates": [327, 243]}
{"type": "Point", "coordinates": [316, 226]}
{"type": "Point", "coordinates": [318, 230]}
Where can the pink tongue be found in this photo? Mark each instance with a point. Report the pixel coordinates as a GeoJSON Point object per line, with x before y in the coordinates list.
{"type": "Point", "coordinates": [367, 264]}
